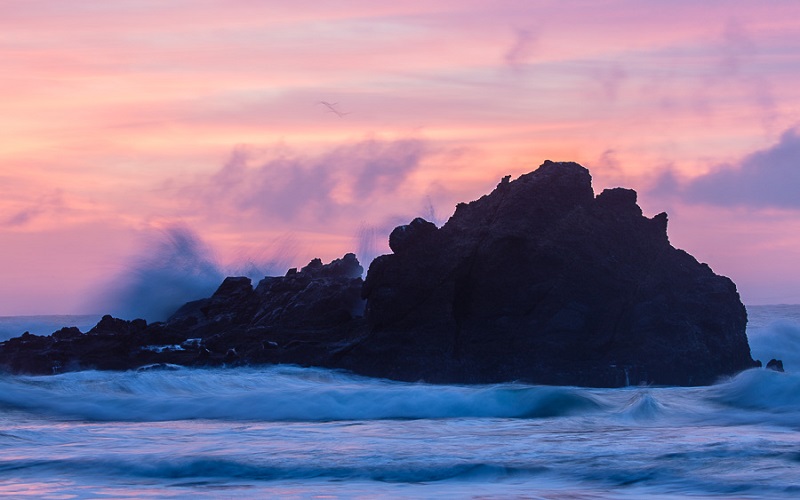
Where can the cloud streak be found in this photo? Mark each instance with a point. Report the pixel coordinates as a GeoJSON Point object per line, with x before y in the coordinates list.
{"type": "Point", "coordinates": [309, 189]}
{"type": "Point", "coordinates": [769, 178]}
{"type": "Point", "coordinates": [520, 51]}
{"type": "Point", "coordinates": [52, 204]}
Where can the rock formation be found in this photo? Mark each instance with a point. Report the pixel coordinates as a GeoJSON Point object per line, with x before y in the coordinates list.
{"type": "Point", "coordinates": [539, 281]}
{"type": "Point", "coordinates": [775, 365]}
{"type": "Point", "coordinates": [297, 318]}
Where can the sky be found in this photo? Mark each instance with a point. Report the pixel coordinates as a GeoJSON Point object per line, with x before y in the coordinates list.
{"type": "Point", "coordinates": [190, 139]}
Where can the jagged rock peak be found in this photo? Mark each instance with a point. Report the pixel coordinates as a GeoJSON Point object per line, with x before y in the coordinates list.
{"type": "Point", "coordinates": [234, 286]}
{"type": "Point", "coordinates": [346, 267]}
{"type": "Point", "coordinates": [540, 280]}
{"type": "Point", "coordinates": [110, 324]}
{"type": "Point", "coordinates": [619, 199]}
{"type": "Point", "coordinates": [408, 235]}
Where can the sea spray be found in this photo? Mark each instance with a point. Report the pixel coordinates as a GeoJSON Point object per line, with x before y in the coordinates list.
{"type": "Point", "coordinates": [762, 389]}
{"type": "Point", "coordinates": [176, 266]}
{"type": "Point", "coordinates": [776, 340]}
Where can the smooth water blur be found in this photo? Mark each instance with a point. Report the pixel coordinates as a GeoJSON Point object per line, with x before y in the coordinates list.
{"type": "Point", "coordinates": [309, 433]}
{"type": "Point", "coordinates": [298, 432]}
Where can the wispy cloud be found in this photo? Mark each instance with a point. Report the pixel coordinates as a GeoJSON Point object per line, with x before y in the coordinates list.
{"type": "Point", "coordinates": [49, 204]}
{"type": "Point", "coordinates": [522, 48]}
{"type": "Point", "coordinates": [290, 187]}
{"type": "Point", "coordinates": [739, 60]}
{"type": "Point", "coordinates": [738, 45]}
{"type": "Point", "coordinates": [769, 178]}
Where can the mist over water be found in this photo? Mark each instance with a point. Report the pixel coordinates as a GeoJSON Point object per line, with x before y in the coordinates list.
{"type": "Point", "coordinates": [173, 269]}
{"type": "Point", "coordinates": [176, 267]}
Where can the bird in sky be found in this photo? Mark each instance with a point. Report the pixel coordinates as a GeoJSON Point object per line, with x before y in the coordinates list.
{"type": "Point", "coordinates": [332, 108]}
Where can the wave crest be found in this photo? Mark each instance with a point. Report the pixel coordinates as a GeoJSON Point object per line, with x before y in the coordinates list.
{"type": "Point", "coordinates": [276, 394]}
{"type": "Point", "coordinates": [760, 389]}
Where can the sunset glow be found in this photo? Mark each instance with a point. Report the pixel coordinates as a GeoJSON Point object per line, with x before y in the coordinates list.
{"type": "Point", "coordinates": [123, 119]}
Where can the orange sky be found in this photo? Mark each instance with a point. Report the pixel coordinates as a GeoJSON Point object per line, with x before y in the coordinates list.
{"type": "Point", "coordinates": [123, 119]}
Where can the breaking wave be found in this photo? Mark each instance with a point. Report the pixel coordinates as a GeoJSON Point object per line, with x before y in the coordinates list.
{"type": "Point", "coordinates": [290, 393]}
{"type": "Point", "coordinates": [275, 394]}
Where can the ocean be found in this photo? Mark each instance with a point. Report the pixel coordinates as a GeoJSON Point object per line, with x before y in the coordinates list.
{"type": "Point", "coordinates": [291, 432]}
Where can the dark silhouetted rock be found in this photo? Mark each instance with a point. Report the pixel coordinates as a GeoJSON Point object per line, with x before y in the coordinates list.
{"type": "Point", "coordinates": [347, 267]}
{"type": "Point", "coordinates": [410, 235]}
{"type": "Point", "coordinates": [111, 325]}
{"type": "Point", "coordinates": [298, 318]}
{"type": "Point", "coordinates": [319, 295]}
{"type": "Point", "coordinates": [542, 281]}
{"type": "Point", "coordinates": [775, 364]}
{"type": "Point", "coordinates": [67, 333]}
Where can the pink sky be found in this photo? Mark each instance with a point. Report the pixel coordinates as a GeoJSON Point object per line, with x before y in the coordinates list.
{"type": "Point", "coordinates": [122, 119]}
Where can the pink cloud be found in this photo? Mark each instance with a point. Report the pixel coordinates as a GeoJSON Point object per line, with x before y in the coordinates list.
{"type": "Point", "coordinates": [129, 108]}
{"type": "Point", "coordinates": [50, 203]}
{"type": "Point", "coordinates": [309, 189]}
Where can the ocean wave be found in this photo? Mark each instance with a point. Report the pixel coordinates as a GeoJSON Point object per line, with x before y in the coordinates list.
{"type": "Point", "coordinates": [199, 468]}
{"type": "Point", "coordinates": [276, 394]}
{"type": "Point", "coordinates": [289, 393]}
{"type": "Point", "coordinates": [779, 339]}
{"type": "Point", "coordinates": [642, 407]}
{"type": "Point", "coordinates": [761, 389]}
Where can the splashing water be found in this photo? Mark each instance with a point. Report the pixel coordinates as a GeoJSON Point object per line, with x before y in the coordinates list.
{"type": "Point", "coordinates": [178, 267]}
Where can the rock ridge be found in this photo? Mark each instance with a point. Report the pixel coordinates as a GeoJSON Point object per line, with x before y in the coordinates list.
{"type": "Point", "coordinates": [538, 281]}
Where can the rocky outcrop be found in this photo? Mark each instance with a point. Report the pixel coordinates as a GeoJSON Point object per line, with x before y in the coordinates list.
{"type": "Point", "coordinates": [317, 296]}
{"type": "Point", "coordinates": [775, 365]}
{"type": "Point", "coordinates": [297, 318]}
{"type": "Point", "coordinates": [539, 281]}
{"type": "Point", "coordinates": [300, 318]}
